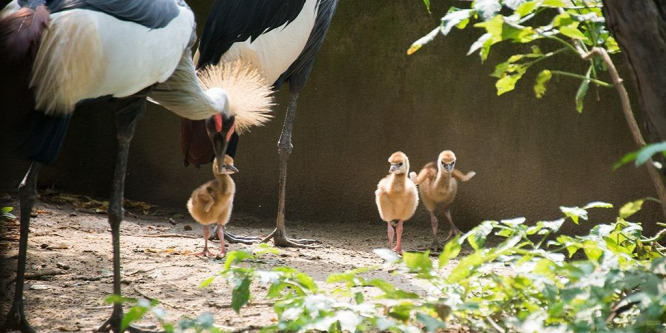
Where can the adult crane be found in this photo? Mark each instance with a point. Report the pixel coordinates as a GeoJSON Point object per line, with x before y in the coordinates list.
{"type": "Point", "coordinates": [281, 39]}
{"type": "Point", "coordinates": [113, 53]}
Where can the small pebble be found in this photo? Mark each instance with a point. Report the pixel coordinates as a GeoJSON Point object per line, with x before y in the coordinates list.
{"type": "Point", "coordinates": [44, 246]}
{"type": "Point", "coordinates": [172, 221]}
{"type": "Point", "coordinates": [187, 227]}
{"type": "Point", "coordinates": [62, 265]}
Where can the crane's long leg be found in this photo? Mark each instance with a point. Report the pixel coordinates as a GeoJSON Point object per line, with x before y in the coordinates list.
{"type": "Point", "coordinates": [27, 191]}
{"type": "Point", "coordinates": [127, 115]}
{"type": "Point", "coordinates": [279, 235]}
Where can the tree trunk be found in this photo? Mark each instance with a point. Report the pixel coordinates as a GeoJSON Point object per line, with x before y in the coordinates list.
{"type": "Point", "coordinates": [639, 26]}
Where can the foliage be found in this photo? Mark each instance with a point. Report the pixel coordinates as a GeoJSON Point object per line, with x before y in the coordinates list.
{"type": "Point", "coordinates": [6, 214]}
{"type": "Point", "coordinates": [141, 307]}
{"type": "Point", "coordinates": [573, 26]}
{"type": "Point", "coordinates": [642, 155]}
{"type": "Point", "coordinates": [515, 277]}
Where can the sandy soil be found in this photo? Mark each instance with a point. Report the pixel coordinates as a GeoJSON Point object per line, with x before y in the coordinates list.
{"type": "Point", "coordinates": [70, 274]}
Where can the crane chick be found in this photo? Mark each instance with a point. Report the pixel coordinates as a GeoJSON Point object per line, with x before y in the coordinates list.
{"type": "Point", "coordinates": [212, 202]}
{"type": "Point", "coordinates": [438, 185]}
{"type": "Point", "coordinates": [396, 197]}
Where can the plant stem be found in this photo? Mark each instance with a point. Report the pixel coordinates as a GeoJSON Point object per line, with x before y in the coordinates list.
{"type": "Point", "coordinates": [585, 78]}
{"type": "Point", "coordinates": [631, 120]}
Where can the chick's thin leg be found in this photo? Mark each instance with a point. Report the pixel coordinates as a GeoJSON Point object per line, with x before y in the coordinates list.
{"type": "Point", "coordinates": [454, 230]}
{"type": "Point", "coordinates": [279, 235]}
{"type": "Point", "coordinates": [205, 252]}
{"type": "Point", "coordinates": [434, 224]}
{"type": "Point", "coordinates": [390, 233]}
{"type": "Point", "coordinates": [398, 231]}
{"type": "Point", "coordinates": [220, 231]}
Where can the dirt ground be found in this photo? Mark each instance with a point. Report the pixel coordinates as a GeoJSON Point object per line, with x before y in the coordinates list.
{"type": "Point", "coordinates": [70, 271]}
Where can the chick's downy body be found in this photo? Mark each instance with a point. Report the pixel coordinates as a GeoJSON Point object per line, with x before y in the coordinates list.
{"type": "Point", "coordinates": [212, 202]}
{"type": "Point", "coordinates": [396, 197]}
{"type": "Point", "coordinates": [438, 186]}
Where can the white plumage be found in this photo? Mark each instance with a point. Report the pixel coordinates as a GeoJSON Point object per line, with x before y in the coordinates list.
{"type": "Point", "coordinates": [118, 62]}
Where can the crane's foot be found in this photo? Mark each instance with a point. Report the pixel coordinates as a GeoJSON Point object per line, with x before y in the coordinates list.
{"type": "Point", "coordinates": [281, 240]}
{"type": "Point", "coordinates": [16, 320]}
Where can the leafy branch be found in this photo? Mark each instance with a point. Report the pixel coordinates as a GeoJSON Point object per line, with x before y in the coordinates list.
{"type": "Point", "coordinates": [578, 26]}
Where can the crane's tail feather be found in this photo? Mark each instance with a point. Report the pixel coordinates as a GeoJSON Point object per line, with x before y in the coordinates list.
{"type": "Point", "coordinates": [250, 96]}
{"type": "Point", "coordinates": [20, 32]}
{"type": "Point", "coordinates": [42, 136]}
{"type": "Point", "coordinates": [37, 136]}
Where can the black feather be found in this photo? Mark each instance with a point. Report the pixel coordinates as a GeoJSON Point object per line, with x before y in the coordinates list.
{"type": "Point", "coordinates": [232, 21]}
{"type": "Point", "coordinates": [152, 14]}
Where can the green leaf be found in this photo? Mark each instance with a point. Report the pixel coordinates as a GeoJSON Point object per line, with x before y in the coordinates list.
{"type": "Point", "coordinates": [401, 311]}
{"type": "Point", "coordinates": [455, 17]}
{"type": "Point", "coordinates": [631, 208]}
{"type": "Point", "coordinates": [134, 314]}
{"type": "Point", "coordinates": [390, 291]}
{"type": "Point", "coordinates": [626, 159]}
{"type": "Point", "coordinates": [477, 236]}
{"type": "Point", "coordinates": [509, 78]}
{"type": "Point", "coordinates": [386, 254]}
{"type": "Point", "coordinates": [207, 282]}
{"type": "Point", "coordinates": [554, 226]}
{"type": "Point", "coordinates": [6, 210]}
{"type": "Point", "coordinates": [418, 262]}
{"type": "Point", "coordinates": [541, 80]}
{"type": "Point", "coordinates": [598, 204]}
{"type": "Point", "coordinates": [358, 297]}
{"type": "Point", "coordinates": [240, 295]}
{"type": "Point", "coordinates": [646, 152]}
{"type": "Point", "coordinates": [431, 324]}
{"type": "Point", "coordinates": [611, 45]}
{"type": "Point", "coordinates": [478, 44]}
{"type": "Point", "coordinates": [526, 8]}
{"type": "Point", "coordinates": [427, 4]}
{"type": "Point", "coordinates": [574, 213]}
{"type": "Point", "coordinates": [450, 251]}
{"type": "Point", "coordinates": [487, 8]}
{"type": "Point", "coordinates": [234, 257]}
{"type": "Point", "coordinates": [582, 91]}
{"type": "Point", "coordinates": [553, 3]}
{"type": "Point", "coordinates": [572, 32]}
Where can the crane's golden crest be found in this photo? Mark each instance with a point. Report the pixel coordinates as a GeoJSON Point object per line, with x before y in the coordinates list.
{"type": "Point", "coordinates": [250, 96]}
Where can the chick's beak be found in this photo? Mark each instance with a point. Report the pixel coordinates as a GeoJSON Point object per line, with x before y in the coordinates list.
{"type": "Point", "coordinates": [448, 167]}
{"type": "Point", "coordinates": [231, 168]}
{"type": "Point", "coordinates": [394, 168]}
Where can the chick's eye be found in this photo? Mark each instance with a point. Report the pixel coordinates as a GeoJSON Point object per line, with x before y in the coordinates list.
{"type": "Point", "coordinates": [399, 164]}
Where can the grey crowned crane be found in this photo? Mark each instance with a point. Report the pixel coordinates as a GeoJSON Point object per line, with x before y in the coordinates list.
{"type": "Point", "coordinates": [278, 37]}
{"type": "Point", "coordinates": [117, 54]}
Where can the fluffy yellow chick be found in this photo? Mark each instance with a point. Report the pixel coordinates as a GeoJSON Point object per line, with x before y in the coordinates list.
{"type": "Point", "coordinates": [211, 203]}
{"type": "Point", "coordinates": [396, 197]}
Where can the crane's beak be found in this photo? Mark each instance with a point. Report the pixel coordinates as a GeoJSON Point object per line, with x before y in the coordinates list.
{"type": "Point", "coordinates": [220, 128]}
